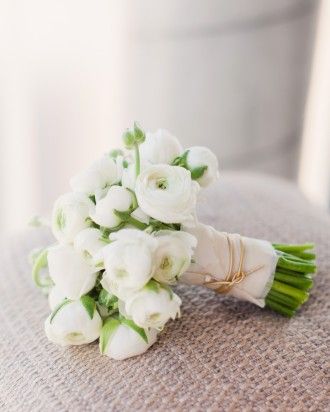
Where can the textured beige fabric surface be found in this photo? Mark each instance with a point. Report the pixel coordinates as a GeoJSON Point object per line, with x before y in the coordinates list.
{"type": "Point", "coordinates": [222, 354]}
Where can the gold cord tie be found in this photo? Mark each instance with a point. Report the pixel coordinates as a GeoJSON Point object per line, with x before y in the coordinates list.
{"type": "Point", "coordinates": [232, 278]}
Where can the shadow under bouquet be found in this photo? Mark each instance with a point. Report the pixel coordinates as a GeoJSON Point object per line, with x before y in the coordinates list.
{"type": "Point", "coordinates": [128, 232]}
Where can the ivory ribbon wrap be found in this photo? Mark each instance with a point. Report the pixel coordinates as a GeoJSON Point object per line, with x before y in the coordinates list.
{"type": "Point", "coordinates": [252, 262]}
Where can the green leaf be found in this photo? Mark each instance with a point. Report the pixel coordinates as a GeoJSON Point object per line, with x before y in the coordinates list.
{"type": "Point", "coordinates": [108, 329]}
{"type": "Point", "coordinates": [40, 262]}
{"type": "Point", "coordinates": [135, 327]}
{"type": "Point", "coordinates": [58, 308]}
{"type": "Point", "coordinates": [153, 285]}
{"type": "Point", "coordinates": [198, 172]}
{"type": "Point", "coordinates": [89, 305]}
{"type": "Point", "coordinates": [156, 287]}
{"type": "Point", "coordinates": [107, 299]}
{"type": "Point", "coordinates": [181, 160]}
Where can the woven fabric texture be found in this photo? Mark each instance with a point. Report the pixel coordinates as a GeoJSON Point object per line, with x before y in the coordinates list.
{"type": "Point", "coordinates": [221, 355]}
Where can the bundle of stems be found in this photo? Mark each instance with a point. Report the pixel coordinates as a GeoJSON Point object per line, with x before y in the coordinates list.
{"type": "Point", "coordinates": [293, 278]}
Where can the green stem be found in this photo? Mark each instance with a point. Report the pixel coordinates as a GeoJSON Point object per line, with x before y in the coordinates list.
{"type": "Point", "coordinates": [293, 278]}
{"type": "Point", "coordinates": [140, 225]}
{"type": "Point", "coordinates": [285, 300]}
{"type": "Point", "coordinates": [301, 282]}
{"type": "Point", "coordinates": [137, 159]}
{"type": "Point", "coordinates": [292, 264]}
{"type": "Point", "coordinates": [294, 258]}
{"type": "Point", "coordinates": [277, 307]}
{"type": "Point", "coordinates": [305, 255]}
{"type": "Point", "coordinates": [293, 248]}
{"type": "Point", "coordinates": [298, 294]}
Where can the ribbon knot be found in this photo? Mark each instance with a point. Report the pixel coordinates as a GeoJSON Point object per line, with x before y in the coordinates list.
{"type": "Point", "coordinates": [232, 277]}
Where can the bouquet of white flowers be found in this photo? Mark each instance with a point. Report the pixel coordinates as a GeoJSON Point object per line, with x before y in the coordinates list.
{"type": "Point", "coordinates": [128, 232]}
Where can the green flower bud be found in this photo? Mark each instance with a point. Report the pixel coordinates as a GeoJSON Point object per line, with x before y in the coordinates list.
{"type": "Point", "coordinates": [115, 153]}
{"type": "Point", "coordinates": [139, 134]}
{"type": "Point", "coordinates": [128, 139]}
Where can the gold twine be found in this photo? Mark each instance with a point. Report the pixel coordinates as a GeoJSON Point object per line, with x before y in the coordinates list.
{"type": "Point", "coordinates": [232, 278]}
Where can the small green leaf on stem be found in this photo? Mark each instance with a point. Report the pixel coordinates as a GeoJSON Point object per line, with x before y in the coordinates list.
{"type": "Point", "coordinates": [40, 263]}
{"type": "Point", "coordinates": [89, 305]}
{"type": "Point", "coordinates": [107, 299]}
{"type": "Point", "coordinates": [135, 327]}
{"type": "Point", "coordinates": [153, 286]}
{"type": "Point", "coordinates": [58, 308]}
{"type": "Point", "coordinates": [108, 329]}
{"type": "Point", "coordinates": [198, 172]}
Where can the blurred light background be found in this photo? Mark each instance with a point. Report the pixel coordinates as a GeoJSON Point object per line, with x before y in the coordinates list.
{"type": "Point", "coordinates": [248, 78]}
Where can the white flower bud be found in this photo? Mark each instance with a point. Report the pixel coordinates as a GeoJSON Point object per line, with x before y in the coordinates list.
{"type": "Point", "coordinates": [124, 342]}
{"type": "Point", "coordinates": [70, 216]}
{"type": "Point", "coordinates": [89, 242]}
{"type": "Point", "coordinates": [55, 297]}
{"type": "Point", "coordinates": [173, 255]}
{"type": "Point", "coordinates": [102, 173]}
{"type": "Point", "coordinates": [70, 272]}
{"type": "Point", "coordinates": [153, 306]}
{"type": "Point", "coordinates": [72, 325]}
{"type": "Point", "coordinates": [128, 261]}
{"type": "Point", "coordinates": [199, 157]}
{"type": "Point", "coordinates": [167, 193]}
{"type": "Point", "coordinates": [160, 147]}
{"type": "Point", "coordinates": [117, 198]}
{"type": "Point", "coordinates": [129, 177]}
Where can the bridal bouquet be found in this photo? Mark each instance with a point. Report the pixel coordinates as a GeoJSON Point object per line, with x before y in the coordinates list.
{"type": "Point", "coordinates": [128, 232]}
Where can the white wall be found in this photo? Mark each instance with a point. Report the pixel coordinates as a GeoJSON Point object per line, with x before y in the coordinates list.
{"type": "Point", "coordinates": [74, 74]}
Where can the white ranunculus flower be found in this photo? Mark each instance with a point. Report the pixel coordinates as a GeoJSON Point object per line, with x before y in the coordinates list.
{"type": "Point", "coordinates": [167, 193]}
{"type": "Point", "coordinates": [55, 297]}
{"type": "Point", "coordinates": [160, 147]}
{"type": "Point", "coordinates": [89, 242]}
{"type": "Point", "coordinates": [199, 156]}
{"type": "Point", "coordinates": [70, 271]}
{"type": "Point", "coordinates": [102, 173]}
{"type": "Point", "coordinates": [70, 215]}
{"type": "Point", "coordinates": [124, 342]}
{"type": "Point", "coordinates": [153, 306]}
{"type": "Point", "coordinates": [72, 325]}
{"type": "Point", "coordinates": [173, 255]}
{"type": "Point", "coordinates": [128, 261]}
{"type": "Point", "coordinates": [117, 198]}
